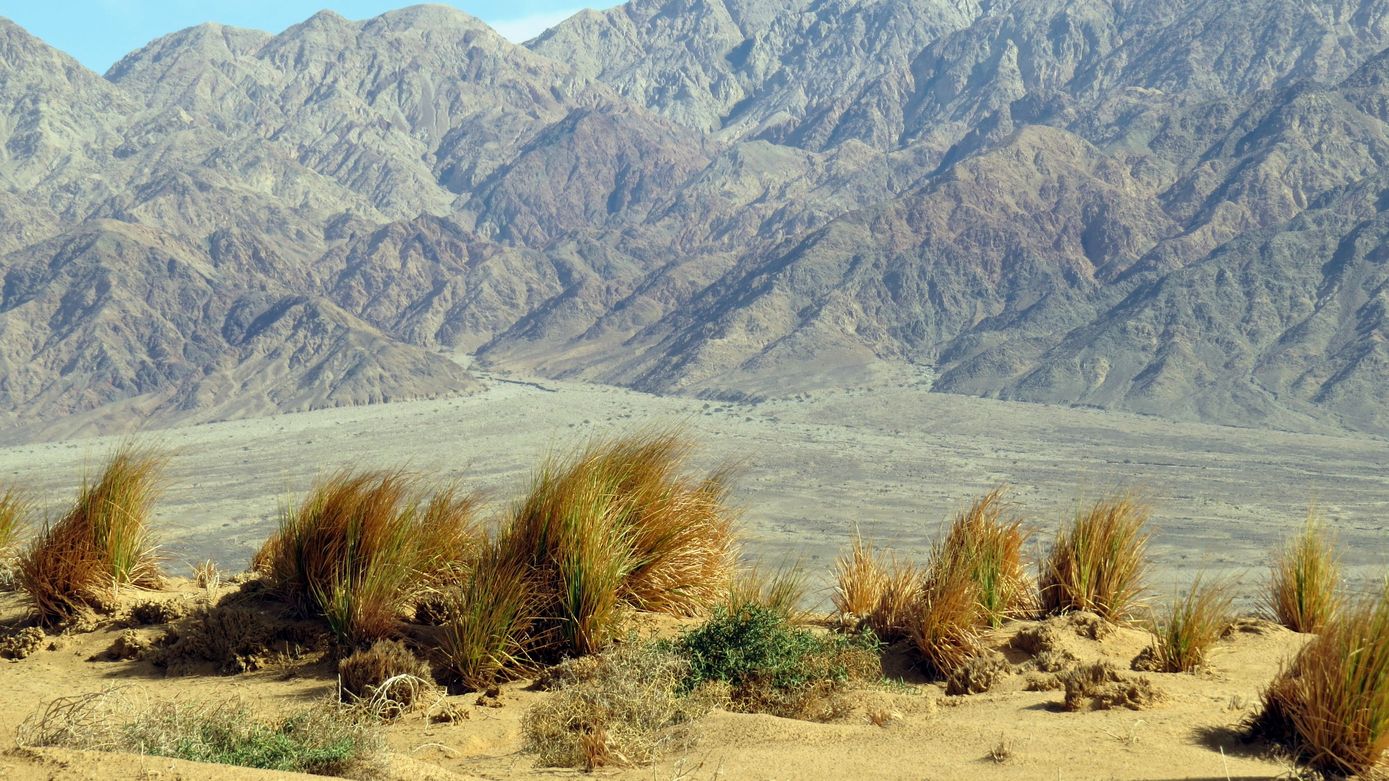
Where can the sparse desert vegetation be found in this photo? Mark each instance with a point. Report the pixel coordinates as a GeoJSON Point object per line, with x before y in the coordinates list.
{"type": "Point", "coordinates": [391, 588]}
{"type": "Point", "coordinates": [1330, 704]}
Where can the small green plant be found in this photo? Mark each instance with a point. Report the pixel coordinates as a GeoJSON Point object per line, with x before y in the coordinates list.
{"type": "Point", "coordinates": [1099, 561]}
{"type": "Point", "coordinates": [771, 666]}
{"type": "Point", "coordinates": [627, 708]}
{"type": "Point", "coordinates": [1185, 631]}
{"type": "Point", "coordinates": [324, 740]}
{"type": "Point", "coordinates": [1305, 579]}
{"type": "Point", "coordinates": [1331, 703]}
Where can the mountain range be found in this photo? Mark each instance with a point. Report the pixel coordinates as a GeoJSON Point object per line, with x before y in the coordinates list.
{"type": "Point", "coordinates": [1174, 207]}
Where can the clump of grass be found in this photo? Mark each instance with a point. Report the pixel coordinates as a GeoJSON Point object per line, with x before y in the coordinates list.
{"type": "Point", "coordinates": [362, 547]}
{"type": "Point", "coordinates": [627, 708]}
{"type": "Point", "coordinates": [1305, 579]}
{"type": "Point", "coordinates": [782, 590]}
{"type": "Point", "coordinates": [986, 542]}
{"type": "Point", "coordinates": [771, 666]}
{"type": "Point", "coordinates": [14, 514]}
{"type": "Point", "coordinates": [1331, 703]}
{"type": "Point", "coordinates": [617, 526]}
{"type": "Point", "coordinates": [102, 543]}
{"type": "Point", "coordinates": [1185, 631]}
{"type": "Point", "coordinates": [876, 591]}
{"type": "Point", "coordinates": [1098, 562]}
{"type": "Point", "coordinates": [946, 620]}
{"type": "Point", "coordinates": [387, 675]}
{"type": "Point", "coordinates": [324, 740]}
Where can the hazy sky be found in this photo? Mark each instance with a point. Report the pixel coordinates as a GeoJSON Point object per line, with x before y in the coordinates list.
{"type": "Point", "coordinates": [99, 32]}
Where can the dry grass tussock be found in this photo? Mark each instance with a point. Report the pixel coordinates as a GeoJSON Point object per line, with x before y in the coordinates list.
{"type": "Point", "coordinates": [15, 509]}
{"type": "Point", "coordinates": [387, 678]}
{"type": "Point", "coordinates": [363, 547]}
{"type": "Point", "coordinates": [625, 708]}
{"type": "Point", "coordinates": [326, 739]}
{"type": "Point", "coordinates": [618, 525]}
{"type": "Point", "coordinates": [946, 620]}
{"type": "Point", "coordinates": [782, 590]}
{"type": "Point", "coordinates": [1098, 561]}
{"type": "Point", "coordinates": [102, 543]}
{"type": "Point", "coordinates": [875, 590]}
{"type": "Point", "coordinates": [1185, 631]}
{"type": "Point", "coordinates": [1305, 579]}
{"type": "Point", "coordinates": [1331, 703]}
{"type": "Point", "coordinates": [986, 542]}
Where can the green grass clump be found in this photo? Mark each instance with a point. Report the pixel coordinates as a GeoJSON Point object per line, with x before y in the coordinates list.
{"type": "Point", "coordinates": [772, 666]}
{"type": "Point", "coordinates": [361, 548]}
{"type": "Point", "coordinates": [1098, 562]}
{"type": "Point", "coordinates": [102, 543]}
{"type": "Point", "coordinates": [1185, 631]}
{"type": "Point", "coordinates": [1331, 703]}
{"type": "Point", "coordinates": [1305, 580]}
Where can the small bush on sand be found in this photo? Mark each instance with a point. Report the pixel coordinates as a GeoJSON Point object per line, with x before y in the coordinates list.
{"type": "Point", "coordinates": [986, 542]}
{"type": "Point", "coordinates": [387, 676]}
{"type": "Point", "coordinates": [324, 740]}
{"type": "Point", "coordinates": [362, 547]}
{"type": "Point", "coordinates": [627, 708]}
{"type": "Point", "coordinates": [1098, 562]}
{"type": "Point", "coordinates": [875, 590]}
{"type": "Point", "coordinates": [617, 526]}
{"type": "Point", "coordinates": [1189, 627]}
{"type": "Point", "coordinates": [771, 666]}
{"type": "Point", "coordinates": [782, 590]}
{"type": "Point", "coordinates": [102, 543]}
{"type": "Point", "coordinates": [981, 673]}
{"type": "Point", "coordinates": [1099, 686]}
{"type": "Point", "coordinates": [1305, 582]}
{"type": "Point", "coordinates": [1331, 703]}
{"type": "Point", "coordinates": [946, 620]}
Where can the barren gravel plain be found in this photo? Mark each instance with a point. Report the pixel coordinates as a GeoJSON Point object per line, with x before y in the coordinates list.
{"type": "Point", "coordinates": [893, 459]}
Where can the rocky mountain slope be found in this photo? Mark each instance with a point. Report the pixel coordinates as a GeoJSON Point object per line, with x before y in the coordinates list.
{"type": "Point", "coordinates": [1166, 206]}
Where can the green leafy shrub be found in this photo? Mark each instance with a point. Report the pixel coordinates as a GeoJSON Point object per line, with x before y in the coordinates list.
{"type": "Point", "coordinates": [771, 666]}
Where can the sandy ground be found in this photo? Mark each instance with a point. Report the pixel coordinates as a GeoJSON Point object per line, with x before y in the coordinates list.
{"type": "Point", "coordinates": [893, 460]}
{"type": "Point", "coordinates": [1191, 733]}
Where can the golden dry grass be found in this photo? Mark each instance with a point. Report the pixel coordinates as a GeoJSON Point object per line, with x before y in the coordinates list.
{"type": "Point", "coordinates": [1331, 703]}
{"type": "Point", "coordinates": [986, 542]}
{"type": "Point", "coordinates": [875, 590]}
{"type": "Point", "coordinates": [782, 590]}
{"type": "Point", "coordinates": [362, 547]}
{"type": "Point", "coordinates": [1186, 630]}
{"type": "Point", "coordinates": [945, 620]}
{"type": "Point", "coordinates": [1098, 561]}
{"type": "Point", "coordinates": [618, 525]}
{"type": "Point", "coordinates": [102, 543]}
{"type": "Point", "coordinates": [1305, 579]}
{"type": "Point", "coordinates": [15, 509]}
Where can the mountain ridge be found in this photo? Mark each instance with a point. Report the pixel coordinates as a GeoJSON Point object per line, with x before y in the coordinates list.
{"type": "Point", "coordinates": [1167, 207]}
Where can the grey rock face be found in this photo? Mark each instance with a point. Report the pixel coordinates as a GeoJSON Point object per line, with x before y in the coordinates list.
{"type": "Point", "coordinates": [1167, 206]}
